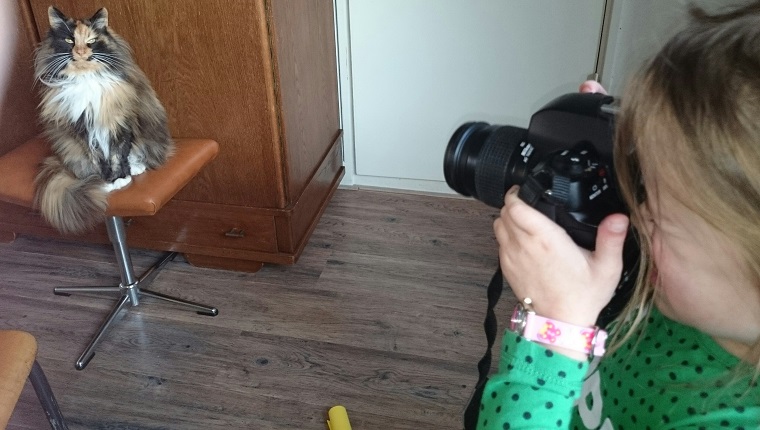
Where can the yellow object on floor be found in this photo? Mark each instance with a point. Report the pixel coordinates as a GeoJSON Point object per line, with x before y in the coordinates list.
{"type": "Point", "coordinates": [338, 418]}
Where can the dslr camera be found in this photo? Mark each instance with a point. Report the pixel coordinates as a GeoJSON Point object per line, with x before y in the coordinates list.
{"type": "Point", "coordinates": [563, 164]}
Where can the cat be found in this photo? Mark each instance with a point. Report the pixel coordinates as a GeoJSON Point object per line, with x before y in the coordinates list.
{"type": "Point", "coordinates": [100, 114]}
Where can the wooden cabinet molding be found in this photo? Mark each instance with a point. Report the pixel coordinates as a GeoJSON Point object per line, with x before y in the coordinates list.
{"type": "Point", "coordinates": [257, 76]}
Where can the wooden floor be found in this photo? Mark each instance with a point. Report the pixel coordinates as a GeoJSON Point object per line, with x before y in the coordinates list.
{"type": "Point", "coordinates": [382, 314]}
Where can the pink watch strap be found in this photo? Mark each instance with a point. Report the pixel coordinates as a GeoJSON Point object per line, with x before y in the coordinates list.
{"type": "Point", "coordinates": [584, 339]}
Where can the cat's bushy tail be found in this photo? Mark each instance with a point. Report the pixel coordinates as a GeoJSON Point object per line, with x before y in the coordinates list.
{"type": "Point", "coordinates": [69, 204]}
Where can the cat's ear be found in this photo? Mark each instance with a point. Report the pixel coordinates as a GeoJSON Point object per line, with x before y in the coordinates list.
{"type": "Point", "coordinates": [100, 19]}
{"type": "Point", "coordinates": [56, 17]}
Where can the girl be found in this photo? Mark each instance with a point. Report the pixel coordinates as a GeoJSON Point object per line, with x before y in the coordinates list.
{"type": "Point", "coordinates": [686, 351]}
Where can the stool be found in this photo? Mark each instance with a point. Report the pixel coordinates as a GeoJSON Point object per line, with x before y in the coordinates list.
{"type": "Point", "coordinates": [18, 352]}
{"type": "Point", "coordinates": [145, 196]}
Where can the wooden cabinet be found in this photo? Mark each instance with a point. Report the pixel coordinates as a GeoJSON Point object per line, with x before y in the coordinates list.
{"type": "Point", "coordinates": [259, 77]}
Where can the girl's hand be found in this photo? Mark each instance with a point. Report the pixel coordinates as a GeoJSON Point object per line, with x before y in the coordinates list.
{"type": "Point", "coordinates": [540, 260]}
{"type": "Point", "coordinates": [592, 87]}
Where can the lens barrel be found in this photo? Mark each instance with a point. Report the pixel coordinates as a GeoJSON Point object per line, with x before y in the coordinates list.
{"type": "Point", "coordinates": [484, 160]}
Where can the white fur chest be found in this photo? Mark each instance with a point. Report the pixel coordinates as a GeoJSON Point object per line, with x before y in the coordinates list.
{"type": "Point", "coordinates": [87, 95]}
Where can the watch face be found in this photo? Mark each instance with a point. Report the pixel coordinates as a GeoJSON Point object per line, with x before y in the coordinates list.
{"type": "Point", "coordinates": [517, 323]}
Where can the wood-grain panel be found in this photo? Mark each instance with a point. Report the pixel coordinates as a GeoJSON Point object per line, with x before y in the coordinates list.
{"type": "Point", "coordinates": [208, 62]}
{"type": "Point", "coordinates": [304, 45]}
{"type": "Point", "coordinates": [206, 225]}
{"type": "Point", "coordinates": [296, 225]}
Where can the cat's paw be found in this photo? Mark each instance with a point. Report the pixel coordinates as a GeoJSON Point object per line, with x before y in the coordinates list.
{"type": "Point", "coordinates": [117, 184]}
{"type": "Point", "coordinates": [137, 168]}
{"type": "Point", "coordinates": [136, 164]}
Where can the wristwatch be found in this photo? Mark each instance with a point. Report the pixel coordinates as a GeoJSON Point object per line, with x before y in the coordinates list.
{"type": "Point", "coordinates": [525, 322]}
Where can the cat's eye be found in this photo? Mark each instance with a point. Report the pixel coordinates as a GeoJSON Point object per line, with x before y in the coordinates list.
{"type": "Point", "coordinates": [69, 41]}
{"type": "Point", "coordinates": [90, 42]}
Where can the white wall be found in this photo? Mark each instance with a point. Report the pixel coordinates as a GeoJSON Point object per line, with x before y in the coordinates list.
{"type": "Point", "coordinates": [412, 71]}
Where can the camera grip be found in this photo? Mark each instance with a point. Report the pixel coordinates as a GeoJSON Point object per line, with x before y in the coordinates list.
{"type": "Point", "coordinates": [533, 193]}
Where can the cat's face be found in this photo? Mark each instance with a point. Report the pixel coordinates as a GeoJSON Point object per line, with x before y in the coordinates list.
{"type": "Point", "coordinates": [80, 46]}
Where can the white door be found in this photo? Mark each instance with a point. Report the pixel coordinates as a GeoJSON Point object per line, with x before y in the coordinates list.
{"type": "Point", "coordinates": [412, 71]}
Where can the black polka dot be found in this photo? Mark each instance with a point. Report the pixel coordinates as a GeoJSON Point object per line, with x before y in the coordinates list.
{"type": "Point", "coordinates": [506, 426]}
{"type": "Point", "coordinates": [561, 374]}
{"type": "Point", "coordinates": [698, 369]}
{"type": "Point", "coordinates": [515, 397]}
{"type": "Point", "coordinates": [559, 423]}
{"type": "Point", "coordinates": [526, 415]}
{"type": "Point", "coordinates": [549, 353]}
{"type": "Point", "coordinates": [540, 382]}
{"type": "Point", "coordinates": [528, 359]}
{"type": "Point", "coordinates": [549, 405]}
{"type": "Point", "coordinates": [493, 394]}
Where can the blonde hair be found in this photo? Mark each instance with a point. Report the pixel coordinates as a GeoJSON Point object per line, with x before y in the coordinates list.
{"type": "Point", "coordinates": [691, 119]}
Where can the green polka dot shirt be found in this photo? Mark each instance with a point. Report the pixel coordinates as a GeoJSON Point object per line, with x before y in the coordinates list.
{"type": "Point", "coordinates": [668, 376]}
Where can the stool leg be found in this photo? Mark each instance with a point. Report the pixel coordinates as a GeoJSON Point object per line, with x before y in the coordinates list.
{"type": "Point", "coordinates": [66, 291]}
{"type": "Point", "coordinates": [199, 308]}
{"type": "Point", "coordinates": [149, 275]}
{"type": "Point", "coordinates": [47, 399]}
{"type": "Point", "coordinates": [89, 352]}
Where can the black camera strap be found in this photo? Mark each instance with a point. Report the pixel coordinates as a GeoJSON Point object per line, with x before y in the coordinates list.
{"type": "Point", "coordinates": [484, 365]}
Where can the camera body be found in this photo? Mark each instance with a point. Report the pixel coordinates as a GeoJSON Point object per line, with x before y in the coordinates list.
{"type": "Point", "coordinates": [563, 164]}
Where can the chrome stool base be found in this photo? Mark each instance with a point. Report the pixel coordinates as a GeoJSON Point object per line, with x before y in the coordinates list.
{"type": "Point", "coordinates": [129, 291]}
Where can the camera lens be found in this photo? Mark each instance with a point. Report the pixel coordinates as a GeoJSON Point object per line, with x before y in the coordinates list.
{"type": "Point", "coordinates": [484, 160]}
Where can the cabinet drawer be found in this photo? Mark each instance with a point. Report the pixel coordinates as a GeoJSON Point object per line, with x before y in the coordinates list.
{"type": "Point", "coordinates": [207, 225]}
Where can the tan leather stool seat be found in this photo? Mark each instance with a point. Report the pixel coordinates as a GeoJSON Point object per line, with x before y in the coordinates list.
{"type": "Point", "coordinates": [146, 194]}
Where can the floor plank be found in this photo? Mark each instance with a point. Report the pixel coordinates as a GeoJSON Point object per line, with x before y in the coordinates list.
{"type": "Point", "coordinates": [382, 314]}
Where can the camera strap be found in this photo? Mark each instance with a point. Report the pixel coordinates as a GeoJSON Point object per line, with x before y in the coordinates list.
{"type": "Point", "coordinates": [484, 365]}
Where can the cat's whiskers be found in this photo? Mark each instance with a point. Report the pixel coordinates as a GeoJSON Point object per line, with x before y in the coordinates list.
{"type": "Point", "coordinates": [52, 69]}
{"type": "Point", "coordinates": [109, 59]}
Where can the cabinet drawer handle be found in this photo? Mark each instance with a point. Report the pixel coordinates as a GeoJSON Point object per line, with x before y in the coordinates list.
{"type": "Point", "coordinates": [235, 232]}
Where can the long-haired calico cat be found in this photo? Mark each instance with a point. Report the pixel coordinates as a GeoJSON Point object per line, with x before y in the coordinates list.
{"type": "Point", "coordinates": [101, 116]}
